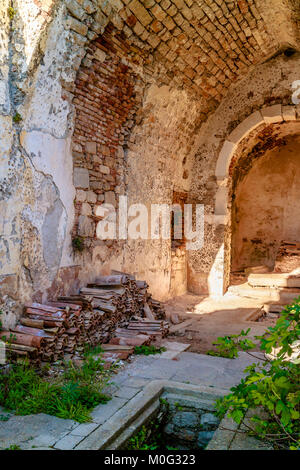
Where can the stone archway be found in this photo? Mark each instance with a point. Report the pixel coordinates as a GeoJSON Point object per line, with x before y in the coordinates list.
{"type": "Point", "coordinates": [227, 159]}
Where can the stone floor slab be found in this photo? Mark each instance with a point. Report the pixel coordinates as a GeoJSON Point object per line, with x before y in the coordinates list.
{"type": "Point", "coordinates": [84, 429]}
{"type": "Point", "coordinates": [127, 392]}
{"type": "Point", "coordinates": [40, 430]}
{"type": "Point", "coordinates": [68, 442]}
{"type": "Point", "coordinates": [103, 412]}
{"type": "Point", "coordinates": [136, 382]}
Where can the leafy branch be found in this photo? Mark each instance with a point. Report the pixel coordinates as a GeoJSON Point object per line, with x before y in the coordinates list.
{"type": "Point", "coordinates": [271, 388]}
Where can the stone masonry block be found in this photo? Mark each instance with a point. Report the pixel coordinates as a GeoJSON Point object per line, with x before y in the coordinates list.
{"type": "Point", "coordinates": [104, 169]}
{"type": "Point", "coordinates": [75, 10]}
{"type": "Point", "coordinates": [80, 195]}
{"type": "Point", "coordinates": [99, 55]}
{"type": "Point", "coordinates": [91, 147]}
{"type": "Point", "coordinates": [272, 114]}
{"type": "Point", "coordinates": [77, 26]}
{"type": "Point", "coordinates": [245, 127]}
{"type": "Point", "coordinates": [224, 159]}
{"type": "Point", "coordinates": [140, 12]}
{"type": "Point", "coordinates": [91, 197]}
{"type": "Point", "coordinates": [89, 6]}
{"type": "Point", "coordinates": [81, 178]}
{"type": "Point", "coordinates": [289, 113]}
{"type": "Point", "coordinates": [86, 209]}
{"type": "Point", "coordinates": [86, 227]}
{"type": "Point", "coordinates": [110, 198]}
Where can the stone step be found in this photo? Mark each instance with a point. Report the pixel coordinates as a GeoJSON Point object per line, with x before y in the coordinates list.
{"type": "Point", "coordinates": [274, 280]}
{"type": "Point", "coordinates": [273, 308]}
{"type": "Point", "coordinates": [267, 294]}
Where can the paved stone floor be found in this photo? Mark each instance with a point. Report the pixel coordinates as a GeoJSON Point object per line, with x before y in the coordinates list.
{"type": "Point", "coordinates": [44, 432]}
{"type": "Point", "coordinates": [213, 318]}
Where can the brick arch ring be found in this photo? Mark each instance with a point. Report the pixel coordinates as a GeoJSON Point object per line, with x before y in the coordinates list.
{"type": "Point", "coordinates": [268, 115]}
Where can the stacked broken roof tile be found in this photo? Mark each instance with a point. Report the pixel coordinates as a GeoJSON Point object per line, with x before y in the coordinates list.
{"type": "Point", "coordinates": [115, 306]}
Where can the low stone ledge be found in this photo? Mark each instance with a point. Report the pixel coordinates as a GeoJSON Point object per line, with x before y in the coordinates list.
{"type": "Point", "coordinates": [111, 433]}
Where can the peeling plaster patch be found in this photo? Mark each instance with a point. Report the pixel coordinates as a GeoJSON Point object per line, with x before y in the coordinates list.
{"type": "Point", "coordinates": [6, 140]}
{"type": "Point", "coordinates": [52, 157]}
{"type": "Point", "coordinates": [43, 218]}
{"type": "Point", "coordinates": [4, 55]}
{"type": "Point", "coordinates": [48, 111]}
{"type": "Point", "coordinates": [31, 26]}
{"type": "Point", "coordinates": [50, 235]}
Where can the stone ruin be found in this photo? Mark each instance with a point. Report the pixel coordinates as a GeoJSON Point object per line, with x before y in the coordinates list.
{"type": "Point", "coordinates": [189, 101]}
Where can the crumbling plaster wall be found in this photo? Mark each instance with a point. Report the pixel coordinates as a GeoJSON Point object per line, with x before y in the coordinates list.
{"type": "Point", "coordinates": [43, 44]}
{"type": "Point", "coordinates": [37, 213]}
{"type": "Point", "coordinates": [159, 162]}
{"type": "Point", "coordinates": [267, 84]}
{"type": "Point", "coordinates": [266, 204]}
{"type": "Point", "coordinates": [36, 175]}
{"type": "Point", "coordinates": [132, 137]}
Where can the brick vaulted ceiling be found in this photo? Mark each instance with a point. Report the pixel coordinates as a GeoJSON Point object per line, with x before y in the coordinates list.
{"type": "Point", "coordinates": [201, 45]}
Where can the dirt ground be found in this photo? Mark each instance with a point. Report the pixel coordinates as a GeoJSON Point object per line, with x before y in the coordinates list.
{"type": "Point", "coordinates": [213, 318]}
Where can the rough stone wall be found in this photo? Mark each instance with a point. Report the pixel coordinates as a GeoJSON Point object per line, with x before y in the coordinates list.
{"type": "Point", "coordinates": [121, 147]}
{"type": "Point", "coordinates": [266, 208]}
{"type": "Point", "coordinates": [187, 54]}
{"type": "Point", "coordinates": [267, 84]}
{"type": "Point", "coordinates": [105, 104]}
{"type": "Point", "coordinates": [159, 162]}
{"type": "Point", "coordinates": [33, 184]}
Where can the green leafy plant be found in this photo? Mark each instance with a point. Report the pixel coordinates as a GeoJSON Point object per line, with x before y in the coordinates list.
{"type": "Point", "coordinates": [17, 117]}
{"type": "Point", "coordinates": [78, 244]}
{"type": "Point", "coordinates": [4, 417]}
{"type": "Point", "coordinates": [178, 406]}
{"type": "Point", "coordinates": [147, 350]}
{"type": "Point", "coordinates": [13, 447]}
{"type": "Point", "coordinates": [150, 436]}
{"type": "Point", "coordinates": [92, 351]}
{"type": "Point", "coordinates": [147, 438]}
{"type": "Point", "coordinates": [71, 396]}
{"type": "Point", "coordinates": [271, 388]}
{"type": "Point", "coordinates": [11, 13]}
{"type": "Point", "coordinates": [228, 346]}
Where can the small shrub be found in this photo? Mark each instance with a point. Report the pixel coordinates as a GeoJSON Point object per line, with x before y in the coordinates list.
{"type": "Point", "coordinates": [271, 386]}
{"type": "Point", "coordinates": [78, 244]}
{"type": "Point", "coordinates": [228, 346]}
{"type": "Point", "coordinates": [147, 350]}
{"type": "Point", "coordinates": [17, 118]}
{"type": "Point", "coordinates": [11, 13]}
{"type": "Point", "coordinates": [13, 447]}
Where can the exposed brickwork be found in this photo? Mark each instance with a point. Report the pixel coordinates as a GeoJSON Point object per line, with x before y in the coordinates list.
{"type": "Point", "coordinates": [201, 45]}
{"type": "Point", "coordinates": [105, 103]}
